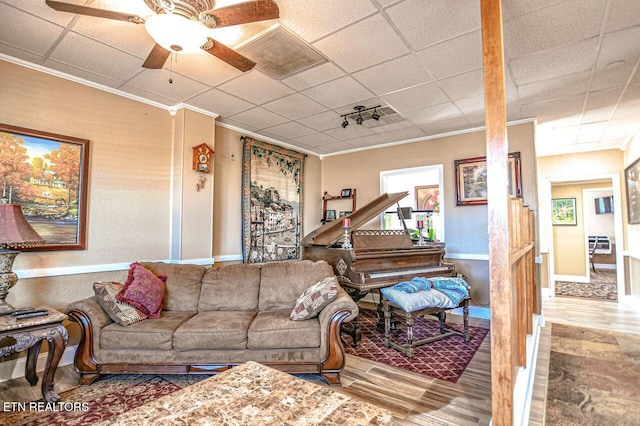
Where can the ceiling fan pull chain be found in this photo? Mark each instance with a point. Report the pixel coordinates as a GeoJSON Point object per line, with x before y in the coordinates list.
{"type": "Point", "coordinates": [173, 55]}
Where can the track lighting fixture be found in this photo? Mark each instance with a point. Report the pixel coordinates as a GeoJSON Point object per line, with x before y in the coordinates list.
{"type": "Point", "coordinates": [359, 109]}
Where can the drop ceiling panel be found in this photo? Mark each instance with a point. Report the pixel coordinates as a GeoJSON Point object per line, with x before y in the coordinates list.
{"type": "Point", "coordinates": [618, 56]}
{"type": "Point", "coordinates": [317, 75]}
{"type": "Point", "coordinates": [322, 121]}
{"type": "Point", "coordinates": [87, 75]}
{"type": "Point", "coordinates": [464, 85]}
{"type": "Point", "coordinates": [365, 49]}
{"type": "Point", "coordinates": [125, 36]}
{"type": "Point", "coordinates": [334, 147]}
{"type": "Point", "coordinates": [622, 14]}
{"type": "Point", "coordinates": [555, 63]}
{"type": "Point", "coordinates": [472, 105]}
{"type": "Point", "coordinates": [445, 126]}
{"type": "Point", "coordinates": [315, 19]}
{"type": "Point", "coordinates": [220, 102]}
{"type": "Point", "coordinates": [315, 140]}
{"type": "Point", "coordinates": [560, 87]}
{"type": "Point", "coordinates": [157, 81]}
{"type": "Point", "coordinates": [566, 106]}
{"type": "Point", "coordinates": [337, 93]}
{"type": "Point", "coordinates": [202, 67]}
{"type": "Point", "coordinates": [290, 130]}
{"type": "Point", "coordinates": [403, 134]}
{"type": "Point", "coordinates": [415, 98]}
{"type": "Point", "coordinates": [435, 113]}
{"type": "Point", "coordinates": [259, 118]}
{"type": "Point", "coordinates": [14, 23]}
{"type": "Point", "coordinates": [565, 23]}
{"type": "Point", "coordinates": [256, 87]}
{"type": "Point", "coordinates": [295, 106]}
{"type": "Point", "coordinates": [353, 130]}
{"type": "Point", "coordinates": [424, 23]}
{"type": "Point", "coordinates": [455, 56]}
{"type": "Point", "coordinates": [406, 72]}
{"type": "Point", "coordinates": [90, 55]}
{"type": "Point", "coordinates": [514, 8]}
{"type": "Point", "coordinates": [366, 141]}
{"type": "Point", "coordinates": [37, 8]}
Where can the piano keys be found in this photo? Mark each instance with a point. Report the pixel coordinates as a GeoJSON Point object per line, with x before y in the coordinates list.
{"type": "Point", "coordinates": [377, 259]}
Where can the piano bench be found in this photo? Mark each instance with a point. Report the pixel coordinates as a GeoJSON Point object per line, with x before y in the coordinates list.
{"type": "Point", "coordinates": [390, 309]}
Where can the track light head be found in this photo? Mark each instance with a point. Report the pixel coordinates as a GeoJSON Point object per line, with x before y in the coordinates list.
{"type": "Point", "coordinates": [345, 123]}
{"type": "Point", "coordinates": [359, 119]}
{"type": "Point", "coordinates": [375, 115]}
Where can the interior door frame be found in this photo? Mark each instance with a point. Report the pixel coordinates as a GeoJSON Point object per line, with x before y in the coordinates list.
{"type": "Point", "coordinates": [546, 226]}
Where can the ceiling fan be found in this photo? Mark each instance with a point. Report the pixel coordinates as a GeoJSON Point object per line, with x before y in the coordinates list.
{"type": "Point", "coordinates": [180, 26]}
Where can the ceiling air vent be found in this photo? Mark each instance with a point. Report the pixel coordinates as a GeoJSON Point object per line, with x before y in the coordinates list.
{"type": "Point", "coordinates": [387, 116]}
{"type": "Point", "coordinates": [280, 54]}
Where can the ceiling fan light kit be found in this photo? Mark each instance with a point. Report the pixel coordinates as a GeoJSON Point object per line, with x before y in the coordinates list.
{"type": "Point", "coordinates": [182, 26]}
{"type": "Point", "coordinates": [176, 33]}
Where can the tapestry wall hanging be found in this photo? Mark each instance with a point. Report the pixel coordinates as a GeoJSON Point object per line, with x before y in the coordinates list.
{"type": "Point", "coordinates": [272, 201]}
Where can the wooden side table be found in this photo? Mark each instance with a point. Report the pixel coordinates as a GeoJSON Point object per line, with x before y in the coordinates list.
{"type": "Point", "coordinates": [29, 334]}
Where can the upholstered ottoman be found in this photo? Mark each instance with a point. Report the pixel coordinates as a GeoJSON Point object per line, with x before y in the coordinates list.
{"type": "Point", "coordinates": [420, 297]}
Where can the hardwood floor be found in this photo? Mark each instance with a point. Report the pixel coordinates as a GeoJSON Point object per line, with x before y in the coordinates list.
{"type": "Point", "coordinates": [419, 400]}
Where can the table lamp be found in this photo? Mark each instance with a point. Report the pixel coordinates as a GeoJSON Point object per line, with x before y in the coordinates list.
{"type": "Point", "coordinates": [15, 233]}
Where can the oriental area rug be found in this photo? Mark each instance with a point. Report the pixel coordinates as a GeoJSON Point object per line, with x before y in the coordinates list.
{"type": "Point", "coordinates": [602, 285]}
{"type": "Point", "coordinates": [594, 377]}
{"type": "Point", "coordinates": [444, 359]}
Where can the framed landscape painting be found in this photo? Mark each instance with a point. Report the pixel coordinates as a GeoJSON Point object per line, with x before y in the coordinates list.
{"type": "Point", "coordinates": [471, 179]}
{"type": "Point", "coordinates": [563, 211]}
{"type": "Point", "coordinates": [47, 175]}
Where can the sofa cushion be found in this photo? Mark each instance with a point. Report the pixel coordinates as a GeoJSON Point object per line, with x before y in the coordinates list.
{"type": "Point", "coordinates": [282, 282]}
{"type": "Point", "coordinates": [143, 290]}
{"type": "Point", "coordinates": [156, 334]}
{"type": "Point", "coordinates": [275, 330]}
{"type": "Point", "coordinates": [183, 284]}
{"type": "Point", "coordinates": [214, 330]}
{"type": "Point", "coordinates": [122, 313]}
{"type": "Point", "coordinates": [230, 288]}
{"type": "Point", "coordinates": [314, 299]}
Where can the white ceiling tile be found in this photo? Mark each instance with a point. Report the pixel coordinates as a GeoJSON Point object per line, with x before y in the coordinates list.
{"type": "Point", "coordinates": [365, 141]}
{"type": "Point", "coordinates": [445, 126]}
{"type": "Point", "coordinates": [358, 46]}
{"type": "Point", "coordinates": [125, 36]}
{"type": "Point", "coordinates": [472, 105]}
{"type": "Point", "coordinates": [416, 98]}
{"type": "Point", "coordinates": [219, 102]}
{"type": "Point", "coordinates": [463, 85]}
{"type": "Point", "coordinates": [406, 72]}
{"type": "Point", "coordinates": [555, 63]}
{"type": "Point", "coordinates": [620, 129]}
{"type": "Point", "coordinates": [591, 132]}
{"type": "Point", "coordinates": [314, 76]}
{"type": "Point", "coordinates": [87, 75]}
{"type": "Point", "coordinates": [454, 56]}
{"type": "Point", "coordinates": [560, 87]}
{"type": "Point", "coordinates": [353, 130]}
{"type": "Point", "coordinates": [564, 23]}
{"type": "Point", "coordinates": [601, 105]}
{"type": "Point", "coordinates": [403, 124]}
{"type": "Point", "coordinates": [157, 81]}
{"type": "Point", "coordinates": [290, 130]}
{"type": "Point", "coordinates": [259, 117]}
{"type": "Point", "coordinates": [256, 87]}
{"type": "Point", "coordinates": [14, 23]}
{"type": "Point", "coordinates": [96, 57]}
{"type": "Point", "coordinates": [203, 67]}
{"type": "Point", "coordinates": [20, 54]}
{"type": "Point", "coordinates": [165, 100]}
{"type": "Point", "coordinates": [385, 3]}
{"type": "Point", "coordinates": [622, 14]}
{"type": "Point", "coordinates": [424, 23]}
{"type": "Point", "coordinates": [39, 8]}
{"type": "Point", "coordinates": [611, 143]}
{"type": "Point", "coordinates": [333, 147]}
{"type": "Point", "coordinates": [322, 121]}
{"type": "Point", "coordinates": [312, 19]}
{"type": "Point", "coordinates": [295, 106]}
{"type": "Point", "coordinates": [571, 105]}
{"type": "Point", "coordinates": [617, 58]}
{"type": "Point", "coordinates": [439, 112]}
{"type": "Point", "coordinates": [336, 93]}
{"type": "Point", "coordinates": [238, 124]}
{"type": "Point", "coordinates": [403, 134]}
{"type": "Point", "coordinates": [316, 139]}
{"type": "Point", "coordinates": [513, 8]}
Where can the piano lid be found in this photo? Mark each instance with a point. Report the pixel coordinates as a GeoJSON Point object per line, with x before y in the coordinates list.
{"type": "Point", "coordinates": [330, 232]}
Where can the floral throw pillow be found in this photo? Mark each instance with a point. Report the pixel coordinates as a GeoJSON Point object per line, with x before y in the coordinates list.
{"type": "Point", "coordinates": [122, 313]}
{"type": "Point", "coordinates": [143, 290]}
{"type": "Point", "coordinates": [314, 299]}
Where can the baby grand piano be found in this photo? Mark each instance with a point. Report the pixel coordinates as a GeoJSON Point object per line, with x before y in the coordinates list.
{"type": "Point", "coordinates": [377, 259]}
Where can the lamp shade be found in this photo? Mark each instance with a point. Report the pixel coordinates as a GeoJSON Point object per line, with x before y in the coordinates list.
{"type": "Point", "coordinates": [15, 231]}
{"type": "Point", "coordinates": [176, 33]}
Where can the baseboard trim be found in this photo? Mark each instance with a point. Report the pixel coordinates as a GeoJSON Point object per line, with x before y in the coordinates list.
{"type": "Point", "coordinates": [572, 278]}
{"type": "Point", "coordinates": [14, 369]}
{"type": "Point", "coordinates": [523, 389]}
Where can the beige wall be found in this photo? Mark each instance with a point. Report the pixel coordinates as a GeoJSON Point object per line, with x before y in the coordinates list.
{"type": "Point", "coordinates": [227, 223]}
{"type": "Point", "coordinates": [632, 247]}
{"type": "Point", "coordinates": [465, 226]}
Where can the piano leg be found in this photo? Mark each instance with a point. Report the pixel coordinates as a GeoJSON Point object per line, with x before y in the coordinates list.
{"type": "Point", "coordinates": [353, 328]}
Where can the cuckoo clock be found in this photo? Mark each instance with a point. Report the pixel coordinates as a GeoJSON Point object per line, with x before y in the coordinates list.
{"type": "Point", "coordinates": [202, 158]}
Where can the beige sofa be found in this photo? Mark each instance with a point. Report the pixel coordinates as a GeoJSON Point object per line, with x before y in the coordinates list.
{"type": "Point", "coordinates": [214, 318]}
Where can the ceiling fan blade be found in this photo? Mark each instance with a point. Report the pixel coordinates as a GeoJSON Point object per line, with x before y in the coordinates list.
{"type": "Point", "coordinates": [157, 57]}
{"type": "Point", "coordinates": [243, 13]}
{"type": "Point", "coordinates": [92, 11]}
{"type": "Point", "coordinates": [229, 55]}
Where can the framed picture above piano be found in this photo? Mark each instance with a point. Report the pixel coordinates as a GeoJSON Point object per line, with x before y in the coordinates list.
{"type": "Point", "coordinates": [471, 179]}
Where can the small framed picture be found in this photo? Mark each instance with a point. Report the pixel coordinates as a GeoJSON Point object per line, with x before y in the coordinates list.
{"type": "Point", "coordinates": [345, 192]}
{"type": "Point", "coordinates": [564, 211]}
{"type": "Point", "coordinates": [344, 213]}
{"type": "Point", "coordinates": [330, 215]}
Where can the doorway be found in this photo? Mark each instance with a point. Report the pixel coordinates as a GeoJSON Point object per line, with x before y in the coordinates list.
{"type": "Point", "coordinates": [572, 266]}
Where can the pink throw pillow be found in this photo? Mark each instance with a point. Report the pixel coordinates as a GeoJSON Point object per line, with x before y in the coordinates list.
{"type": "Point", "coordinates": [144, 290]}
